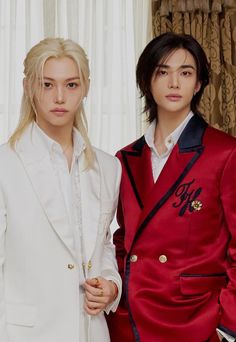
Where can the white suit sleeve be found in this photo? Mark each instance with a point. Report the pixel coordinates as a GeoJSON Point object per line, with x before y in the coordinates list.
{"type": "Point", "coordinates": [111, 272]}
{"type": "Point", "coordinates": [3, 331]}
{"type": "Point", "coordinates": [110, 268]}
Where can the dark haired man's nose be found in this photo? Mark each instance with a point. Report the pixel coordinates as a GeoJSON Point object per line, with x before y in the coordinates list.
{"type": "Point", "coordinates": [173, 82]}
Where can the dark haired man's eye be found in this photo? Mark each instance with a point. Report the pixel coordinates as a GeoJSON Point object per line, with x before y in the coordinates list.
{"type": "Point", "coordinates": [186, 73]}
{"type": "Point", "coordinates": [162, 72]}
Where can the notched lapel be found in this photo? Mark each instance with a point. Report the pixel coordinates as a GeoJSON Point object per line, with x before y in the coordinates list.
{"type": "Point", "coordinates": [90, 187]}
{"type": "Point", "coordinates": [184, 155]}
{"type": "Point", "coordinates": [174, 171]}
{"type": "Point", "coordinates": [141, 177]}
{"type": "Point", "coordinates": [38, 167]}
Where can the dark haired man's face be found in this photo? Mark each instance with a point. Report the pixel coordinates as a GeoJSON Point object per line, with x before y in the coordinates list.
{"type": "Point", "coordinates": [174, 84]}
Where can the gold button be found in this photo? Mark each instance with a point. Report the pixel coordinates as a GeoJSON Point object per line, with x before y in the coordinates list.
{"type": "Point", "coordinates": [133, 258]}
{"type": "Point", "coordinates": [70, 266]}
{"type": "Point", "coordinates": [169, 141]}
{"type": "Point", "coordinates": [163, 258]}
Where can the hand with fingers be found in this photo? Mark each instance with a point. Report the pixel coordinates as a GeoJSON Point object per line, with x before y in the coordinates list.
{"type": "Point", "coordinates": [99, 293]}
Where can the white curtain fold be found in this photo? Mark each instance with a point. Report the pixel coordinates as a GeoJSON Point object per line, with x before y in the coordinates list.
{"type": "Point", "coordinates": [20, 28]}
{"type": "Point", "coordinates": [112, 32]}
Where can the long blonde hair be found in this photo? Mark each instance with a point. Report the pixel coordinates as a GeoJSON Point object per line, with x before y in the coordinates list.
{"type": "Point", "coordinates": [33, 71]}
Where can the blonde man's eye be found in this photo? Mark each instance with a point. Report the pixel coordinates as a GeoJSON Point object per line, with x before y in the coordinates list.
{"type": "Point", "coordinates": [47, 85]}
{"type": "Point", "coordinates": [72, 85]}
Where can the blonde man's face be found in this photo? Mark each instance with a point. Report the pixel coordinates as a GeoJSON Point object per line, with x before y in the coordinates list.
{"type": "Point", "coordinates": [59, 94]}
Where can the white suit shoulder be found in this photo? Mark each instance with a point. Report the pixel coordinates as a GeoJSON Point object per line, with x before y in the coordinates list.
{"type": "Point", "coordinates": [5, 149]}
{"type": "Point", "coordinates": [7, 159]}
{"type": "Point", "coordinates": [109, 166]}
{"type": "Point", "coordinates": [106, 158]}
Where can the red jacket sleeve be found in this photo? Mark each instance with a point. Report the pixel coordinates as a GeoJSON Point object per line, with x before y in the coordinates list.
{"type": "Point", "coordinates": [228, 197]}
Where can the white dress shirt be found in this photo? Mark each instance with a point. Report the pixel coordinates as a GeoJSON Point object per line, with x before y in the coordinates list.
{"type": "Point", "coordinates": [158, 161]}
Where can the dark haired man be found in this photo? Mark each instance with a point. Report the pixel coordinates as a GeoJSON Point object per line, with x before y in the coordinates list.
{"type": "Point", "coordinates": [176, 245]}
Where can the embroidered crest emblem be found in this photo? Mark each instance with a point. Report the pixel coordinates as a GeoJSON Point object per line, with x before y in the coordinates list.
{"type": "Point", "coordinates": [187, 197]}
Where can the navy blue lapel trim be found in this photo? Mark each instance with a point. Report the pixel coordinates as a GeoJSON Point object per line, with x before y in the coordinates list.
{"type": "Point", "coordinates": [137, 147]}
{"type": "Point", "coordinates": [133, 324]}
{"type": "Point", "coordinates": [192, 135]}
{"type": "Point", "coordinates": [190, 140]}
{"type": "Point", "coordinates": [168, 194]}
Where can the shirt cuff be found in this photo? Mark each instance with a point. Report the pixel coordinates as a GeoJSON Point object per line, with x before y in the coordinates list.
{"type": "Point", "coordinates": [113, 306]}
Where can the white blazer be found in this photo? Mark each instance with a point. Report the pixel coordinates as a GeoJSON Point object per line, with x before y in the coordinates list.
{"type": "Point", "coordinates": [40, 299]}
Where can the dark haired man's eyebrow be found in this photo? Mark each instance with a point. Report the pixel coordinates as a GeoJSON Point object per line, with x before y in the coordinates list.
{"type": "Point", "coordinates": [184, 66]}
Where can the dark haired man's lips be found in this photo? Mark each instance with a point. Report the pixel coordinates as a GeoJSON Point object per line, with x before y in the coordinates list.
{"type": "Point", "coordinates": [174, 97]}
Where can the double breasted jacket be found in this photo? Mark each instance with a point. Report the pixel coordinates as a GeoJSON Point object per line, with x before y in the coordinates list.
{"type": "Point", "coordinates": [176, 245]}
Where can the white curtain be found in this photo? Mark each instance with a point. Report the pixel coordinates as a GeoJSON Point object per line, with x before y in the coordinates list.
{"type": "Point", "coordinates": [112, 32]}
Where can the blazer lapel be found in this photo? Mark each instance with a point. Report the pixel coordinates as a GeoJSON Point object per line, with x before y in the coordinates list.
{"type": "Point", "coordinates": [184, 155]}
{"type": "Point", "coordinates": [90, 187]}
{"type": "Point", "coordinates": [141, 177]}
{"type": "Point", "coordinates": [39, 169]}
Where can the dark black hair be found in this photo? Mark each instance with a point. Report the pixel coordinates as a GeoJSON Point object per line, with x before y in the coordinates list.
{"type": "Point", "coordinates": [154, 53]}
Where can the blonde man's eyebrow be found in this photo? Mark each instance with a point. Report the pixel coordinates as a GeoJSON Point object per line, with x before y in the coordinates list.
{"type": "Point", "coordinates": [68, 79]}
{"type": "Point", "coordinates": [73, 78]}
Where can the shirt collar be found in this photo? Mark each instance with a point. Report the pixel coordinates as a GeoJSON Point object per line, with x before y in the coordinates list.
{"type": "Point", "coordinates": [171, 139]}
{"type": "Point", "coordinates": [52, 146]}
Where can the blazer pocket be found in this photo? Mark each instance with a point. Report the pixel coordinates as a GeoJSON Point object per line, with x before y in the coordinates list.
{"type": "Point", "coordinates": [21, 314]}
{"type": "Point", "coordinates": [199, 284]}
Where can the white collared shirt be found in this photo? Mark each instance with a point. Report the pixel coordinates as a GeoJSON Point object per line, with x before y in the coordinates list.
{"type": "Point", "coordinates": [60, 165]}
{"type": "Point", "coordinates": [158, 161]}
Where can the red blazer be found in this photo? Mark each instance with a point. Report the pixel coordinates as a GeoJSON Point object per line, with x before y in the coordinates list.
{"type": "Point", "coordinates": [176, 245]}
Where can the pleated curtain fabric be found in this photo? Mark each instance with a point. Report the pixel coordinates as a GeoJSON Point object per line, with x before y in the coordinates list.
{"type": "Point", "coordinates": [213, 24]}
{"type": "Point", "coordinates": [112, 32]}
{"type": "Point", "coordinates": [21, 26]}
